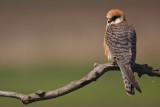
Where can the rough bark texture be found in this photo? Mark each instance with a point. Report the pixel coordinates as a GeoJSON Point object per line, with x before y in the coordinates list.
{"type": "Point", "coordinates": [97, 72]}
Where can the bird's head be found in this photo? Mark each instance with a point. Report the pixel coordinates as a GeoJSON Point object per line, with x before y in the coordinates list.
{"type": "Point", "coordinates": [115, 16]}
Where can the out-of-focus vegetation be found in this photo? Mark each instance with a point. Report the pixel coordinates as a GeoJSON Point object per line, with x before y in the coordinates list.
{"type": "Point", "coordinates": [106, 91]}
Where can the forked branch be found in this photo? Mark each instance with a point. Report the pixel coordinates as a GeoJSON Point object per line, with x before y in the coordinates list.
{"type": "Point", "coordinates": [97, 72]}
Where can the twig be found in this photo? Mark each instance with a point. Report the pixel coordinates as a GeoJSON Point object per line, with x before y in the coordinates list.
{"type": "Point", "coordinates": [97, 72]}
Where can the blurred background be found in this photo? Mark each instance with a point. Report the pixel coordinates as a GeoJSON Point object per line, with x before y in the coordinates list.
{"type": "Point", "coordinates": [45, 44]}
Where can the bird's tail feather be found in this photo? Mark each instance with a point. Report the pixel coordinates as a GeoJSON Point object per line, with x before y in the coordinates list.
{"type": "Point", "coordinates": [128, 86]}
{"type": "Point", "coordinates": [127, 71]}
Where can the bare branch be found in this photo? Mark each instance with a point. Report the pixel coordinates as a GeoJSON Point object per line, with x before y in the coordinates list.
{"type": "Point", "coordinates": [97, 72]}
{"type": "Point", "coordinates": [142, 69]}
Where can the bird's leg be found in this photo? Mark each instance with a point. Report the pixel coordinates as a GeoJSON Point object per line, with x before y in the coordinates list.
{"type": "Point", "coordinates": [114, 61]}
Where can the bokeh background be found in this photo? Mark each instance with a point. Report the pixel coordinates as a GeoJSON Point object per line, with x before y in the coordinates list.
{"type": "Point", "coordinates": [45, 44]}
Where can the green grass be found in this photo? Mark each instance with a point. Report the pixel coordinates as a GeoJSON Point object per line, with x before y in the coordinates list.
{"type": "Point", "coordinates": [106, 91]}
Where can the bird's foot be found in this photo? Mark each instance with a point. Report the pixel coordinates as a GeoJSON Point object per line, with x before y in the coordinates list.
{"type": "Point", "coordinates": [114, 63]}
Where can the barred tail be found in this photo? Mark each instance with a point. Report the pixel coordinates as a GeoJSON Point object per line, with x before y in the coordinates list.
{"type": "Point", "coordinates": [128, 86]}
{"type": "Point", "coordinates": [128, 76]}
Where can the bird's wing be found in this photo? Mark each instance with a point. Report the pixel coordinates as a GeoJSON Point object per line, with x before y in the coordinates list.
{"type": "Point", "coordinates": [121, 40]}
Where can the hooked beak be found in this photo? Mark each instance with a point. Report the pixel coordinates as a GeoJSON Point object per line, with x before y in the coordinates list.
{"type": "Point", "coordinates": [109, 20]}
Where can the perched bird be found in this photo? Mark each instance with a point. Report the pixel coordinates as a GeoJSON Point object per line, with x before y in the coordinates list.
{"type": "Point", "coordinates": [120, 47]}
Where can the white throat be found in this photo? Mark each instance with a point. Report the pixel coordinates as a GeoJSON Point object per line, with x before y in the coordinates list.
{"type": "Point", "coordinates": [118, 20]}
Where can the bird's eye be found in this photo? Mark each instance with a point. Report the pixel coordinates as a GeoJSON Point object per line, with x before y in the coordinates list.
{"type": "Point", "coordinates": [114, 18]}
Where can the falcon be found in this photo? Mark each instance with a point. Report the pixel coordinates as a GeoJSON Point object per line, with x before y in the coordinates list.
{"type": "Point", "coordinates": [120, 47]}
